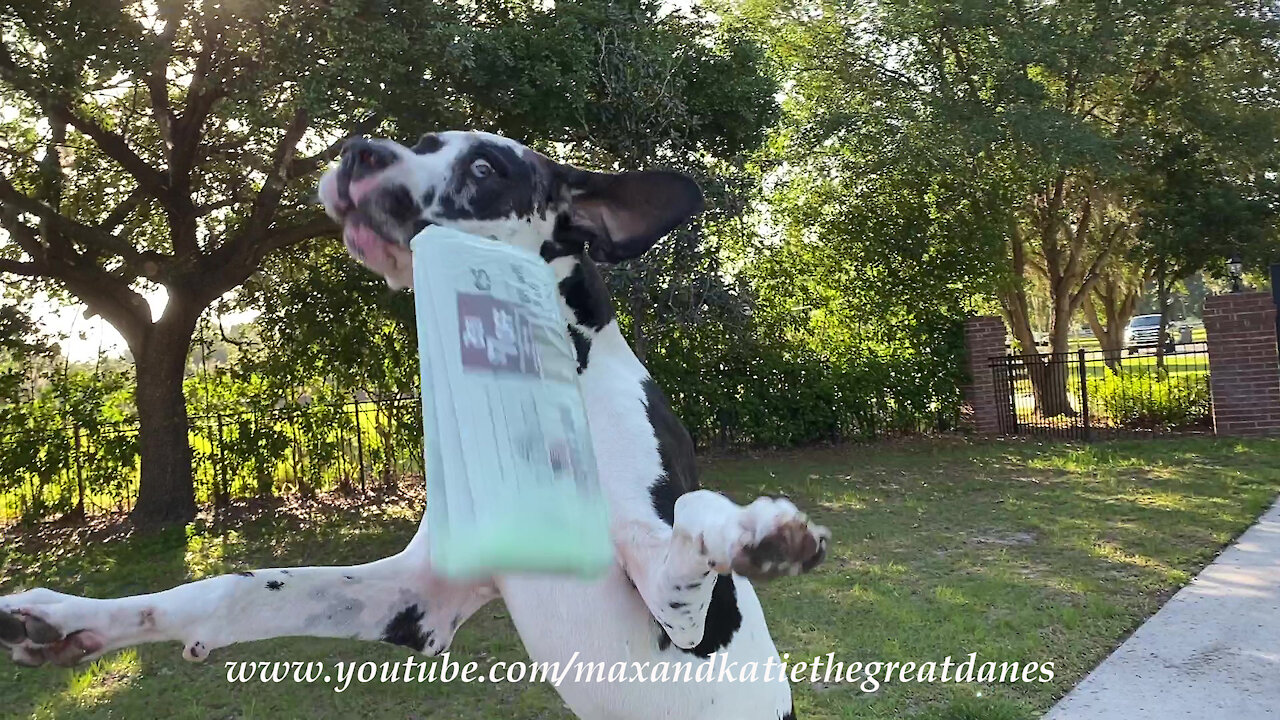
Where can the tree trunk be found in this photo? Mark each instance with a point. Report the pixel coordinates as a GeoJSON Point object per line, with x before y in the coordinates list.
{"type": "Point", "coordinates": [166, 491]}
{"type": "Point", "coordinates": [1049, 381]}
{"type": "Point", "coordinates": [1110, 337]}
{"type": "Point", "coordinates": [1162, 298]}
{"type": "Point", "coordinates": [1050, 377]}
{"type": "Point", "coordinates": [1118, 304]}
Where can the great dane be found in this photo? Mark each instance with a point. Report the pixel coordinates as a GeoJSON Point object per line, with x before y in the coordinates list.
{"type": "Point", "coordinates": [680, 591]}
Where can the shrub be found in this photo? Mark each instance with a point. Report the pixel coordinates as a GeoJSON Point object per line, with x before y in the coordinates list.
{"type": "Point", "coordinates": [1152, 399]}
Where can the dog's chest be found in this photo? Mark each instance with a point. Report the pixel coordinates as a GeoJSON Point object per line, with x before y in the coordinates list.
{"type": "Point", "coordinates": [623, 438]}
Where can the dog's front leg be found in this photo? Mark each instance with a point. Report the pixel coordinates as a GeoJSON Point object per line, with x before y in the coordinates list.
{"type": "Point", "coordinates": [397, 600]}
{"type": "Point", "coordinates": [675, 569]}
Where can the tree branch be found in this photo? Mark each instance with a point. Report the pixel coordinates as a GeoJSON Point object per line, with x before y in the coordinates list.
{"type": "Point", "coordinates": [237, 259]}
{"type": "Point", "coordinates": [121, 212]}
{"type": "Point", "coordinates": [26, 269]}
{"type": "Point", "coordinates": [268, 200]}
{"type": "Point", "coordinates": [201, 97]}
{"type": "Point", "coordinates": [301, 167]}
{"type": "Point", "coordinates": [292, 235]}
{"type": "Point", "coordinates": [116, 148]}
{"type": "Point", "coordinates": [1076, 251]}
{"type": "Point", "coordinates": [1091, 276]}
{"type": "Point", "coordinates": [105, 294]}
{"type": "Point", "coordinates": [57, 224]}
{"type": "Point", "coordinates": [961, 64]}
{"type": "Point", "coordinates": [22, 233]}
{"type": "Point", "coordinates": [156, 78]}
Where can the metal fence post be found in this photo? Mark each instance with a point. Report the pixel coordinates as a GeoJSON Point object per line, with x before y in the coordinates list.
{"type": "Point", "coordinates": [1084, 394]}
{"type": "Point", "coordinates": [223, 493]}
{"type": "Point", "coordinates": [359, 443]}
{"type": "Point", "coordinates": [1010, 367]}
{"type": "Point", "coordinates": [79, 472]}
{"type": "Point", "coordinates": [1275, 295]}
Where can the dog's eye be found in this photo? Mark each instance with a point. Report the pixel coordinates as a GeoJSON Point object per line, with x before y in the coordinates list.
{"type": "Point", "coordinates": [481, 169]}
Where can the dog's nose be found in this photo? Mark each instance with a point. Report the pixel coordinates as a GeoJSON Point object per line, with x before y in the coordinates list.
{"type": "Point", "coordinates": [362, 157]}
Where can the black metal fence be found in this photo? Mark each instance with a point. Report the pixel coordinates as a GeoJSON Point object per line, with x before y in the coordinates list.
{"type": "Point", "coordinates": [1089, 394]}
{"type": "Point", "coordinates": [83, 472]}
{"type": "Point", "coordinates": [69, 471]}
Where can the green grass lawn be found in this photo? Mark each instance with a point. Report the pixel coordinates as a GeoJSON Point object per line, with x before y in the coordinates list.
{"type": "Point", "coordinates": [1015, 551]}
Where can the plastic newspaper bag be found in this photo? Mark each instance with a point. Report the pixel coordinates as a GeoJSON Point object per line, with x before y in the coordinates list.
{"type": "Point", "coordinates": [511, 477]}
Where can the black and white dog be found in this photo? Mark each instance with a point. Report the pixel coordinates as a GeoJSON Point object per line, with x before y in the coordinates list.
{"type": "Point", "coordinates": [680, 590]}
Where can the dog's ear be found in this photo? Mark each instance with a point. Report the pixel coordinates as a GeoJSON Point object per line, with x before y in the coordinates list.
{"type": "Point", "coordinates": [624, 214]}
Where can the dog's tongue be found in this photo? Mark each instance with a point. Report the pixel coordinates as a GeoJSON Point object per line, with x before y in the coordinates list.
{"type": "Point", "coordinates": [380, 256]}
{"type": "Point", "coordinates": [361, 240]}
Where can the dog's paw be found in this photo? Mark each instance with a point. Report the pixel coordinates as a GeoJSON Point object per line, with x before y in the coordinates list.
{"type": "Point", "coordinates": [776, 539]}
{"type": "Point", "coordinates": [37, 628]}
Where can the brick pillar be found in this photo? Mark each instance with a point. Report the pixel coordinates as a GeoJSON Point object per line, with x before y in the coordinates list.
{"type": "Point", "coordinates": [1244, 374]}
{"type": "Point", "coordinates": [984, 338]}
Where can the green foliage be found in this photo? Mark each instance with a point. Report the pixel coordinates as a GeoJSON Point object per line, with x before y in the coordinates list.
{"type": "Point", "coordinates": [70, 444]}
{"type": "Point", "coordinates": [1021, 148]}
{"type": "Point", "coordinates": [874, 173]}
{"type": "Point", "coordinates": [1151, 399]}
{"type": "Point", "coordinates": [178, 143]}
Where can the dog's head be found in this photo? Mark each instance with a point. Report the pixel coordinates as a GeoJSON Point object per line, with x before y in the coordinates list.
{"type": "Point", "coordinates": [384, 193]}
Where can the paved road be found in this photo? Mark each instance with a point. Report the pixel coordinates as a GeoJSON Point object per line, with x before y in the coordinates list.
{"type": "Point", "coordinates": [1213, 651]}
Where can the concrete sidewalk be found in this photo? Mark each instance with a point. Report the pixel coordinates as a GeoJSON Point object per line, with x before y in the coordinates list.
{"type": "Point", "coordinates": [1213, 651]}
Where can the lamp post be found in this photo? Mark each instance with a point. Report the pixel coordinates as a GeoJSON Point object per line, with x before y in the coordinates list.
{"type": "Point", "coordinates": [1234, 268]}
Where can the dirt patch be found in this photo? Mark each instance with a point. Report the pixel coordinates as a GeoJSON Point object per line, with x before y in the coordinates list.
{"type": "Point", "coordinates": [71, 531]}
{"type": "Point", "coordinates": [1005, 540]}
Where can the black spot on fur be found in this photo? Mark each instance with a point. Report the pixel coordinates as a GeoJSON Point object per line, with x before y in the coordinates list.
{"type": "Point", "coordinates": [723, 618]}
{"type": "Point", "coordinates": [791, 714]}
{"type": "Point", "coordinates": [274, 585]}
{"type": "Point", "coordinates": [566, 239]}
{"type": "Point", "coordinates": [245, 573]}
{"type": "Point", "coordinates": [428, 144]}
{"type": "Point", "coordinates": [679, 476]}
{"type": "Point", "coordinates": [675, 448]}
{"type": "Point", "coordinates": [398, 204]}
{"type": "Point", "coordinates": [581, 347]}
{"type": "Point", "coordinates": [585, 293]}
{"type": "Point", "coordinates": [404, 629]}
{"type": "Point", "coordinates": [515, 187]}
{"type": "Point", "coordinates": [552, 250]}
{"type": "Point", "coordinates": [676, 605]}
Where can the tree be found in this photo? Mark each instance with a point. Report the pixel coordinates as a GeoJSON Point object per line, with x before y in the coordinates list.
{"type": "Point", "coordinates": [21, 342]}
{"type": "Point", "coordinates": [606, 85]}
{"type": "Point", "coordinates": [1065, 104]}
{"type": "Point", "coordinates": [646, 88]}
{"type": "Point", "coordinates": [177, 145]}
{"type": "Point", "coordinates": [1111, 305]}
{"type": "Point", "coordinates": [1209, 198]}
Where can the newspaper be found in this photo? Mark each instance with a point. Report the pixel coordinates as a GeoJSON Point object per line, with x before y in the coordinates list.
{"type": "Point", "coordinates": [512, 481]}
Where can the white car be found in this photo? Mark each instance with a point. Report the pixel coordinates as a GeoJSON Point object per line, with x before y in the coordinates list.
{"type": "Point", "coordinates": [1143, 331]}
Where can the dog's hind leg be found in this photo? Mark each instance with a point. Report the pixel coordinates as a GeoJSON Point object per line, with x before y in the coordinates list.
{"type": "Point", "coordinates": [676, 570]}
{"type": "Point", "coordinates": [397, 600]}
